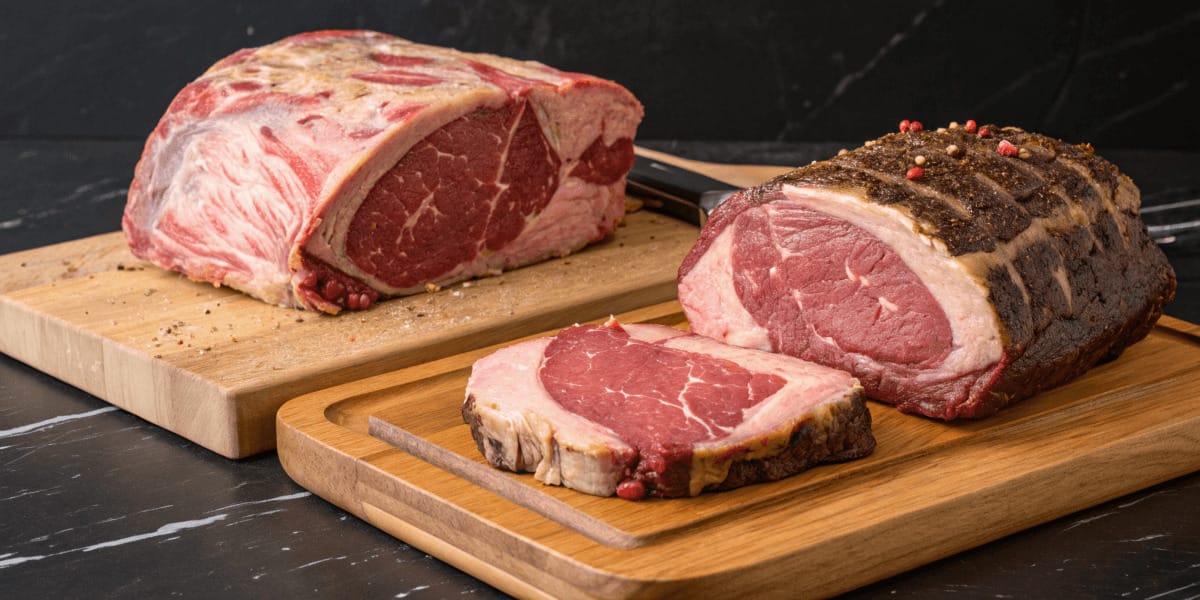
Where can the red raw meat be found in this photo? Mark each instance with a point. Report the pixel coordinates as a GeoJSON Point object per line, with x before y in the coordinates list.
{"type": "Point", "coordinates": [334, 168]}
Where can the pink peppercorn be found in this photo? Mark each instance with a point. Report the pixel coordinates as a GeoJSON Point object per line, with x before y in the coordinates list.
{"type": "Point", "coordinates": [971, 126]}
{"type": "Point", "coordinates": [1006, 148]}
{"type": "Point", "coordinates": [915, 173]}
{"type": "Point", "coordinates": [915, 126]}
{"type": "Point", "coordinates": [904, 125]}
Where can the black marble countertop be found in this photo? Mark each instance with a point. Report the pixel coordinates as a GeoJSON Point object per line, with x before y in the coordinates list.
{"type": "Point", "coordinates": [95, 502]}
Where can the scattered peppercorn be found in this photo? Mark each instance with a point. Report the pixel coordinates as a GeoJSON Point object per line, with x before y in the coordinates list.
{"type": "Point", "coordinates": [971, 126]}
{"type": "Point", "coordinates": [953, 150]}
{"type": "Point", "coordinates": [1024, 154]}
{"type": "Point", "coordinates": [1006, 148]}
{"type": "Point", "coordinates": [904, 125]}
{"type": "Point", "coordinates": [915, 173]}
{"type": "Point", "coordinates": [920, 160]}
{"type": "Point", "coordinates": [915, 126]}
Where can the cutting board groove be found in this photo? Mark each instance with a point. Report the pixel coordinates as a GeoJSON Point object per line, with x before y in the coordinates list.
{"type": "Point", "coordinates": [929, 490]}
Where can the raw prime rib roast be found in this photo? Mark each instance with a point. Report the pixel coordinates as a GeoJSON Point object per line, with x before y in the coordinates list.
{"type": "Point", "coordinates": [641, 410]}
{"type": "Point", "coordinates": [334, 168]}
{"type": "Point", "coordinates": [952, 271]}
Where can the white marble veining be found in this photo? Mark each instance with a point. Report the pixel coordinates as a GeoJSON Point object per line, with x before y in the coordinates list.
{"type": "Point", "coordinates": [1161, 97]}
{"type": "Point", "coordinates": [411, 591]}
{"type": "Point", "coordinates": [849, 79]}
{"type": "Point", "coordinates": [1172, 592]}
{"type": "Point", "coordinates": [317, 562]}
{"type": "Point", "coordinates": [1086, 520]}
{"type": "Point", "coordinates": [284, 498]}
{"type": "Point", "coordinates": [99, 192]}
{"type": "Point", "coordinates": [51, 422]}
{"type": "Point", "coordinates": [1144, 37]}
{"type": "Point", "coordinates": [167, 530]}
{"type": "Point", "coordinates": [9, 560]}
{"type": "Point", "coordinates": [1140, 499]}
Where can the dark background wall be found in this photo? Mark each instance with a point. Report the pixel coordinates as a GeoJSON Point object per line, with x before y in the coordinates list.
{"type": "Point", "coordinates": [1115, 73]}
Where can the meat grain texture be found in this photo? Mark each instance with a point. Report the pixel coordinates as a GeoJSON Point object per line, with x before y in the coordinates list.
{"type": "Point", "coordinates": [331, 169]}
{"type": "Point", "coordinates": [648, 410]}
{"type": "Point", "coordinates": [1007, 264]}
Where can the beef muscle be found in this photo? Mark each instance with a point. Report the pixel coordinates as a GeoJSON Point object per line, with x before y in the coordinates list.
{"type": "Point", "coordinates": [983, 280]}
{"type": "Point", "coordinates": [333, 168]}
{"type": "Point", "coordinates": [641, 410]}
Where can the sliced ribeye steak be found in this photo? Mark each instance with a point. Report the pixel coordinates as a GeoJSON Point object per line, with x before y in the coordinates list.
{"type": "Point", "coordinates": [331, 169]}
{"type": "Point", "coordinates": [641, 410]}
{"type": "Point", "coordinates": [952, 271]}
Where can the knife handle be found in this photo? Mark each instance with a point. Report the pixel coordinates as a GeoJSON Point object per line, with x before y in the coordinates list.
{"type": "Point", "coordinates": [673, 190]}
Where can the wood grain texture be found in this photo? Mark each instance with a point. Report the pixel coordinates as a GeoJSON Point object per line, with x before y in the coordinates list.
{"type": "Point", "coordinates": [931, 489]}
{"type": "Point", "coordinates": [213, 365]}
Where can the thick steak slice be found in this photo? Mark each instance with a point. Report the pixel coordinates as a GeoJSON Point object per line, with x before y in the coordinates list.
{"type": "Point", "coordinates": [650, 410]}
{"type": "Point", "coordinates": [331, 169]}
{"type": "Point", "coordinates": [1012, 264]}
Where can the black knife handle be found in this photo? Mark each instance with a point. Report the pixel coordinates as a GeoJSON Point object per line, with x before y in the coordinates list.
{"type": "Point", "coordinates": [672, 190]}
{"type": "Point", "coordinates": [670, 179]}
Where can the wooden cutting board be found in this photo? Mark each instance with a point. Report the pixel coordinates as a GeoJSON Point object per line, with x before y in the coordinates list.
{"type": "Point", "coordinates": [213, 365]}
{"type": "Point", "coordinates": [929, 490]}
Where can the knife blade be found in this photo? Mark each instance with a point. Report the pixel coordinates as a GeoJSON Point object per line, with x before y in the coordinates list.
{"type": "Point", "coordinates": [676, 191]}
{"type": "Point", "coordinates": [1172, 216]}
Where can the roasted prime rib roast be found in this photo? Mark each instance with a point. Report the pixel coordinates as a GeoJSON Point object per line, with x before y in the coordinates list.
{"type": "Point", "coordinates": [334, 168]}
{"type": "Point", "coordinates": [952, 272]}
{"type": "Point", "coordinates": [641, 410]}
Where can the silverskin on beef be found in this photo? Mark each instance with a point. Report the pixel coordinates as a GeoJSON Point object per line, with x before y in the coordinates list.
{"type": "Point", "coordinates": [648, 410]}
{"type": "Point", "coordinates": [953, 271]}
{"type": "Point", "coordinates": [331, 169]}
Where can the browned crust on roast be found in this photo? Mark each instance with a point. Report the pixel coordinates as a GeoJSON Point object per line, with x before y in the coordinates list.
{"type": "Point", "coordinates": [999, 195]}
{"type": "Point", "coordinates": [1117, 301]}
{"type": "Point", "coordinates": [845, 435]}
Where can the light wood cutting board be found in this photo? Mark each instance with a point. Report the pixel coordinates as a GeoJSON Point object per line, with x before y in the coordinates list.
{"type": "Point", "coordinates": [929, 490]}
{"type": "Point", "coordinates": [213, 365]}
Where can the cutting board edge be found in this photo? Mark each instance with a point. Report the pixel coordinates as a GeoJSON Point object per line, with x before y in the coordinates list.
{"type": "Point", "coordinates": [89, 366]}
{"type": "Point", "coordinates": [1177, 467]}
{"type": "Point", "coordinates": [1158, 441]}
{"type": "Point", "coordinates": [450, 553]}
